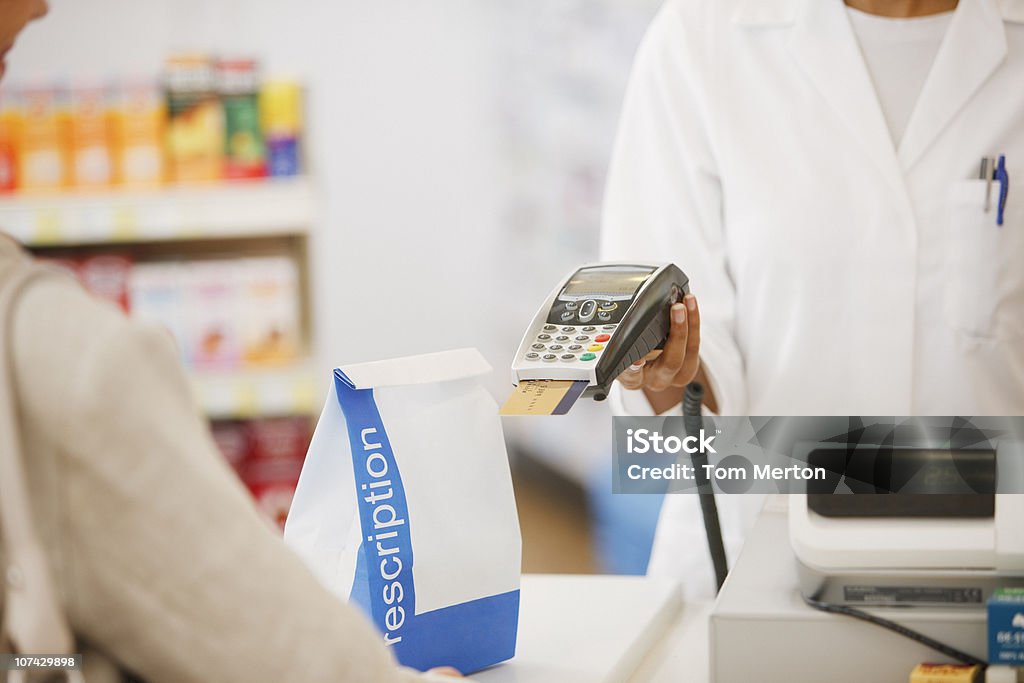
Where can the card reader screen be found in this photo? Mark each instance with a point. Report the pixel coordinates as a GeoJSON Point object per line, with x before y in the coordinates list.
{"type": "Point", "coordinates": [617, 281]}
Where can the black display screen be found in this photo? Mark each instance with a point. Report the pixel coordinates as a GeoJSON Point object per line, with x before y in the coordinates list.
{"type": "Point", "coordinates": [614, 282]}
{"type": "Point", "coordinates": [905, 482]}
{"type": "Point", "coordinates": [599, 295]}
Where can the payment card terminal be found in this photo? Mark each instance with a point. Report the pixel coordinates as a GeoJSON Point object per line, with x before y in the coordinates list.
{"type": "Point", "coordinates": [599, 320]}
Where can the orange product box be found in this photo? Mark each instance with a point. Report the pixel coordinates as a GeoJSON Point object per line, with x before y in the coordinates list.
{"type": "Point", "coordinates": [139, 127]}
{"type": "Point", "coordinates": [10, 130]}
{"type": "Point", "coordinates": [44, 145]}
{"type": "Point", "coordinates": [270, 310]}
{"type": "Point", "coordinates": [91, 143]}
{"type": "Point", "coordinates": [195, 125]}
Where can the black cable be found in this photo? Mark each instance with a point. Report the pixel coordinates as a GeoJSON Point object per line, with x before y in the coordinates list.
{"type": "Point", "coordinates": [947, 650]}
{"type": "Point", "coordinates": [693, 398]}
{"type": "Point", "coordinates": [692, 401]}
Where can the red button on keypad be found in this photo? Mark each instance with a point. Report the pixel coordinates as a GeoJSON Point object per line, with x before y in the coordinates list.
{"type": "Point", "coordinates": [602, 338]}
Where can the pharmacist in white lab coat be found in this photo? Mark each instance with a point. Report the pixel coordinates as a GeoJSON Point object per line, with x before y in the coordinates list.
{"type": "Point", "coordinates": [813, 166]}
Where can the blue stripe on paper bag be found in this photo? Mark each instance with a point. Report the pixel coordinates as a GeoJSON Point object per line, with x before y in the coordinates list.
{"type": "Point", "coordinates": [469, 636]}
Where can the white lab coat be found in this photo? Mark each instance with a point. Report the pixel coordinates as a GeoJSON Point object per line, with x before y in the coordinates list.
{"type": "Point", "coordinates": [836, 274]}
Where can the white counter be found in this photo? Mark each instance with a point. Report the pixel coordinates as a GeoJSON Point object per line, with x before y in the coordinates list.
{"type": "Point", "coordinates": [604, 629]}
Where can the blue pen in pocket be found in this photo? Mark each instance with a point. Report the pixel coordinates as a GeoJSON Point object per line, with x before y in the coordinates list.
{"type": "Point", "coordinates": [1004, 187]}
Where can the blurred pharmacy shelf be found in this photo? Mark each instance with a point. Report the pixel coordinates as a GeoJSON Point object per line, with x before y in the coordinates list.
{"type": "Point", "coordinates": [226, 210]}
{"type": "Point", "coordinates": [241, 394]}
{"type": "Point", "coordinates": [193, 257]}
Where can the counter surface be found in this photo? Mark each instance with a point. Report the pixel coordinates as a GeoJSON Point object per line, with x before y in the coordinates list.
{"type": "Point", "coordinates": [605, 629]}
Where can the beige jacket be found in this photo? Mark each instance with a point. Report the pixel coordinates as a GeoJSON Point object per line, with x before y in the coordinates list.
{"type": "Point", "coordinates": [161, 560]}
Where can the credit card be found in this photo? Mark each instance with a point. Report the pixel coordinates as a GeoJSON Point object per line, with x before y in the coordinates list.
{"type": "Point", "coordinates": [544, 397]}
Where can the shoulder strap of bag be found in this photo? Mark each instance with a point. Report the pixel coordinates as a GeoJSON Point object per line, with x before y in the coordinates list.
{"type": "Point", "coordinates": [33, 621]}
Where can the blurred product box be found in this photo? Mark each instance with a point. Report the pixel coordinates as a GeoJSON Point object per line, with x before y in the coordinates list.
{"type": "Point", "coordinates": [107, 276]}
{"type": "Point", "coordinates": [225, 313]}
{"type": "Point", "coordinates": [208, 120]}
{"type": "Point", "coordinates": [156, 293]}
{"type": "Point", "coordinates": [213, 308]}
{"type": "Point", "coordinates": [278, 449]}
{"type": "Point", "coordinates": [43, 149]}
{"type": "Point", "coordinates": [195, 128]}
{"type": "Point", "coordinates": [9, 133]}
{"type": "Point", "coordinates": [232, 441]}
{"type": "Point", "coordinates": [267, 454]}
{"type": "Point", "coordinates": [245, 155]}
{"type": "Point", "coordinates": [279, 439]}
{"type": "Point", "coordinates": [281, 116]}
{"type": "Point", "coordinates": [92, 164]}
{"type": "Point", "coordinates": [270, 326]}
{"type": "Point", "coordinates": [138, 142]}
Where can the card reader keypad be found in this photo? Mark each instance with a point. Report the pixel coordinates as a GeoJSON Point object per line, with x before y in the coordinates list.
{"type": "Point", "coordinates": [587, 343]}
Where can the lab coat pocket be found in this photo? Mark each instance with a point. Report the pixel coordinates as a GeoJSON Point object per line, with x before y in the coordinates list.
{"type": "Point", "coordinates": [984, 281]}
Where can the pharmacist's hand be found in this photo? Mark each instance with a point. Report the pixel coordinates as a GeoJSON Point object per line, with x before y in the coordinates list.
{"type": "Point", "coordinates": [678, 363]}
{"type": "Point", "coordinates": [445, 671]}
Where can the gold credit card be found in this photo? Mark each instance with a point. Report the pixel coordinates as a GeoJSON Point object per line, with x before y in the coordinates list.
{"type": "Point", "coordinates": [544, 397]}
